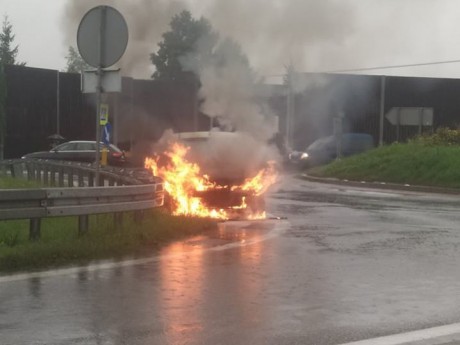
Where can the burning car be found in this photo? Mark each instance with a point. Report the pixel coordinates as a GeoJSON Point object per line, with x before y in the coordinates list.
{"type": "Point", "coordinates": [214, 174]}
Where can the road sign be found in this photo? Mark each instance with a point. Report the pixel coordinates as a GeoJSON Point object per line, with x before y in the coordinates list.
{"type": "Point", "coordinates": [410, 116]}
{"type": "Point", "coordinates": [110, 81]}
{"type": "Point", "coordinates": [104, 114]}
{"type": "Point", "coordinates": [106, 133]}
{"type": "Point", "coordinates": [102, 36]}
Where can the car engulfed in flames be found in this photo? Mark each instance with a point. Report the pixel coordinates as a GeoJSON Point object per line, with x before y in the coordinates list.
{"type": "Point", "coordinates": [192, 192]}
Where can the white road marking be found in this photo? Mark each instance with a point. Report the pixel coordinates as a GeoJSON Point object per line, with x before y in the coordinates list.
{"type": "Point", "coordinates": [280, 226]}
{"type": "Point", "coordinates": [412, 337]}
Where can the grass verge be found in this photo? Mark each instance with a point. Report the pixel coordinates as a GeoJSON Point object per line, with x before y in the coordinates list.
{"type": "Point", "coordinates": [60, 244]}
{"type": "Point", "coordinates": [413, 163]}
{"type": "Point", "coordinates": [11, 183]}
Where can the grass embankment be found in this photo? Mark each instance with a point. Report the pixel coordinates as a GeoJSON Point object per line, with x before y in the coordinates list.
{"type": "Point", "coordinates": [414, 163]}
{"type": "Point", "coordinates": [61, 245]}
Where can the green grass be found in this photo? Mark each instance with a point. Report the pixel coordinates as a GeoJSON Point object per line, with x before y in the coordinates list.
{"type": "Point", "coordinates": [11, 183]}
{"type": "Point", "coordinates": [413, 163]}
{"type": "Point", "coordinates": [60, 244]}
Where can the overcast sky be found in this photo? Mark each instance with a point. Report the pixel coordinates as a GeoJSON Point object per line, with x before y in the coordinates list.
{"type": "Point", "coordinates": [368, 32]}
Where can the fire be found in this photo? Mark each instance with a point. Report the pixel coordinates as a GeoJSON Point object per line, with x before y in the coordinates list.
{"type": "Point", "coordinates": [183, 180]}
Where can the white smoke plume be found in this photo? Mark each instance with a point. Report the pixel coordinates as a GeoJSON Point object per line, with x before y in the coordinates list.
{"type": "Point", "coordinates": [273, 33]}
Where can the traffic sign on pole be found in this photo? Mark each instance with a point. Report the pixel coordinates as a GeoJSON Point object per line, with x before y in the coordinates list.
{"type": "Point", "coordinates": [102, 39]}
{"type": "Point", "coordinates": [106, 133]}
{"type": "Point", "coordinates": [102, 36]}
{"type": "Point", "coordinates": [104, 114]}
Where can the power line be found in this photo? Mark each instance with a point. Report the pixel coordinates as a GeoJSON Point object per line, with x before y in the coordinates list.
{"type": "Point", "coordinates": [393, 66]}
{"type": "Point", "coordinates": [361, 69]}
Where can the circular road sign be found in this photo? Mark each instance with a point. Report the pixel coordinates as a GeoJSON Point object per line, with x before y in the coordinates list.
{"type": "Point", "coordinates": [102, 36]}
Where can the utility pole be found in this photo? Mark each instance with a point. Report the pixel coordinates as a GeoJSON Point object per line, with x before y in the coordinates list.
{"type": "Point", "coordinates": [290, 105]}
{"type": "Point", "coordinates": [382, 108]}
{"type": "Point", "coordinates": [58, 107]}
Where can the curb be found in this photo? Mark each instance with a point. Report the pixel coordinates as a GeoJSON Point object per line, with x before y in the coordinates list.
{"type": "Point", "coordinates": [382, 185]}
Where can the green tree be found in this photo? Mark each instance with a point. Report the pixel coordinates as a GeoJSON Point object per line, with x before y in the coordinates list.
{"type": "Point", "coordinates": [2, 110]}
{"type": "Point", "coordinates": [8, 56]}
{"type": "Point", "coordinates": [7, 52]}
{"type": "Point", "coordinates": [75, 63]}
{"type": "Point", "coordinates": [189, 42]}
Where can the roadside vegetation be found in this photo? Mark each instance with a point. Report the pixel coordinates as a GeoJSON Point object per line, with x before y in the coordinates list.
{"type": "Point", "coordinates": [12, 183]}
{"type": "Point", "coordinates": [61, 245]}
{"type": "Point", "coordinates": [432, 160]}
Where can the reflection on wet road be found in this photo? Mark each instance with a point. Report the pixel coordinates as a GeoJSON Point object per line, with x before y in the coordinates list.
{"type": "Point", "coordinates": [349, 264]}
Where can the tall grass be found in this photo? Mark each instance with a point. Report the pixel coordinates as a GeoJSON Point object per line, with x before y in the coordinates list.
{"type": "Point", "coordinates": [412, 163]}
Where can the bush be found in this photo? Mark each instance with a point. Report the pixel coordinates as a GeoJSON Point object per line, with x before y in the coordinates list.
{"type": "Point", "coordinates": [442, 137]}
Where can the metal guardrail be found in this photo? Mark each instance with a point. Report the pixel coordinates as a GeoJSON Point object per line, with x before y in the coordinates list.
{"type": "Point", "coordinates": [73, 174]}
{"type": "Point", "coordinates": [35, 204]}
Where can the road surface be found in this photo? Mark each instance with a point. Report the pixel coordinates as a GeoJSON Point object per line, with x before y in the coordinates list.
{"type": "Point", "coordinates": [348, 264]}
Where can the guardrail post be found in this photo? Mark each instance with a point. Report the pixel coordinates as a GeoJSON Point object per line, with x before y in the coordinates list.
{"type": "Point", "coordinates": [45, 176]}
{"type": "Point", "coordinates": [118, 220]}
{"type": "Point", "coordinates": [30, 175]}
{"type": "Point", "coordinates": [91, 180]}
{"type": "Point", "coordinates": [53, 176]}
{"type": "Point", "coordinates": [138, 216]}
{"type": "Point", "coordinates": [15, 171]}
{"type": "Point", "coordinates": [83, 225]}
{"type": "Point", "coordinates": [81, 182]}
{"type": "Point", "coordinates": [61, 177]}
{"type": "Point", "coordinates": [70, 177]}
{"type": "Point", "coordinates": [38, 172]}
{"type": "Point", "coordinates": [34, 229]}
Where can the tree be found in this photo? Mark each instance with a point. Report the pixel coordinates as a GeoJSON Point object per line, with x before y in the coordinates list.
{"type": "Point", "coordinates": [7, 53]}
{"type": "Point", "coordinates": [188, 43]}
{"type": "Point", "coordinates": [7, 57]}
{"type": "Point", "coordinates": [75, 63]}
{"type": "Point", "coordinates": [2, 110]}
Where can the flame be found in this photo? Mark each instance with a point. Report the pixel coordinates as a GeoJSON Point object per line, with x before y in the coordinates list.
{"type": "Point", "coordinates": [183, 179]}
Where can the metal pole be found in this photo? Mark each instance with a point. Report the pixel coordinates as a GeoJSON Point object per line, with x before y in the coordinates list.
{"type": "Point", "coordinates": [99, 90]}
{"type": "Point", "coordinates": [289, 108]}
{"type": "Point", "coordinates": [58, 124]}
{"type": "Point", "coordinates": [131, 114]}
{"type": "Point", "coordinates": [420, 124]}
{"type": "Point", "coordinates": [115, 119]}
{"type": "Point", "coordinates": [382, 108]}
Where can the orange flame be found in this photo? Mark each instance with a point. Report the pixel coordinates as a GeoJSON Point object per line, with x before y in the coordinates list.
{"type": "Point", "coordinates": [183, 179]}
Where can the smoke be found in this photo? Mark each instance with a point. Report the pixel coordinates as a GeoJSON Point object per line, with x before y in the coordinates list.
{"type": "Point", "coordinates": [272, 33]}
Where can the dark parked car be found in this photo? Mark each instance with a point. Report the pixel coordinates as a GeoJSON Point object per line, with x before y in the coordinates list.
{"type": "Point", "coordinates": [80, 151]}
{"type": "Point", "coordinates": [324, 150]}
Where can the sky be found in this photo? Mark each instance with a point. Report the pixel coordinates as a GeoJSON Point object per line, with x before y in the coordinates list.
{"type": "Point", "coordinates": [315, 35]}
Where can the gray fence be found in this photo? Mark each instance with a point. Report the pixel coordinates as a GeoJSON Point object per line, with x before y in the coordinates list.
{"type": "Point", "coordinates": [122, 190]}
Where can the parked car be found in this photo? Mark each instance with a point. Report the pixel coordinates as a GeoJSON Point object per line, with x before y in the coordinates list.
{"type": "Point", "coordinates": [80, 151]}
{"type": "Point", "coordinates": [324, 150]}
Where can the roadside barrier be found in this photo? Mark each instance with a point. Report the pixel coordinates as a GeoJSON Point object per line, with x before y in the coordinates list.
{"type": "Point", "coordinates": [122, 190]}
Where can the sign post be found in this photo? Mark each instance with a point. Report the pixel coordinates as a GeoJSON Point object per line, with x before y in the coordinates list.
{"type": "Point", "coordinates": [102, 39]}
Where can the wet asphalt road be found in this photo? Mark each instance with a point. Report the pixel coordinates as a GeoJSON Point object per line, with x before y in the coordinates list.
{"type": "Point", "coordinates": [348, 264]}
